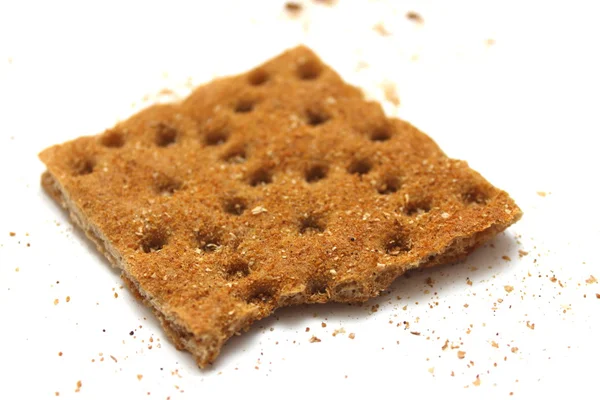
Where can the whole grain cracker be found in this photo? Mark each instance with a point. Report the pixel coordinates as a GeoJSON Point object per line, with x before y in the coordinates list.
{"type": "Point", "coordinates": [279, 186]}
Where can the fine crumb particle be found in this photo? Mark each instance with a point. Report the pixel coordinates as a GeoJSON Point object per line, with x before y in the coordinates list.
{"type": "Point", "coordinates": [598, 295]}
{"type": "Point", "coordinates": [415, 17]}
{"type": "Point", "coordinates": [445, 346]}
{"type": "Point", "coordinates": [523, 253]}
{"type": "Point", "coordinates": [477, 381]}
{"type": "Point", "coordinates": [139, 377]}
{"type": "Point", "coordinates": [431, 370]}
{"type": "Point", "coordinates": [55, 301]}
{"type": "Point", "coordinates": [293, 7]}
{"type": "Point", "coordinates": [541, 194]}
{"type": "Point", "coordinates": [116, 295]}
{"type": "Point", "coordinates": [390, 93]}
{"type": "Point", "coordinates": [11, 234]}
{"type": "Point", "coordinates": [258, 209]}
{"type": "Point", "coordinates": [494, 344]}
{"type": "Point", "coordinates": [461, 354]}
{"type": "Point", "coordinates": [469, 282]}
{"type": "Point", "coordinates": [114, 358]}
{"type": "Point", "coordinates": [57, 394]}
{"type": "Point", "coordinates": [416, 333]}
{"type": "Point", "coordinates": [338, 331]}
{"type": "Point", "coordinates": [380, 29]}
{"type": "Point", "coordinates": [307, 329]}
{"type": "Point", "coordinates": [323, 325]}
{"type": "Point", "coordinates": [508, 288]}
{"type": "Point", "coordinates": [68, 299]}
{"type": "Point", "coordinates": [530, 325]}
{"type": "Point", "coordinates": [506, 258]}
{"type": "Point", "coordinates": [17, 269]}
{"type": "Point", "coordinates": [514, 349]}
{"type": "Point", "coordinates": [352, 336]}
{"type": "Point", "coordinates": [489, 43]}
{"type": "Point", "coordinates": [314, 339]}
{"type": "Point", "coordinates": [78, 388]}
{"type": "Point", "coordinates": [60, 353]}
{"type": "Point", "coordinates": [591, 280]}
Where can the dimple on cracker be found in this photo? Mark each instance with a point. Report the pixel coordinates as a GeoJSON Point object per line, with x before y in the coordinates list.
{"type": "Point", "coordinates": [279, 186]}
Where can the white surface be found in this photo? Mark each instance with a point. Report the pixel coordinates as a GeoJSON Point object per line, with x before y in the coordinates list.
{"type": "Point", "coordinates": [523, 112]}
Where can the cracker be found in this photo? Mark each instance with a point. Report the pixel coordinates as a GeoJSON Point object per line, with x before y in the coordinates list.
{"type": "Point", "coordinates": [279, 186]}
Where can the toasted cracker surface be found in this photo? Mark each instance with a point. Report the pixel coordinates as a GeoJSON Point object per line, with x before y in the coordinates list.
{"type": "Point", "coordinates": [275, 187]}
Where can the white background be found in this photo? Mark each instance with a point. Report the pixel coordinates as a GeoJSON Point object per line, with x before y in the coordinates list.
{"type": "Point", "coordinates": [523, 111]}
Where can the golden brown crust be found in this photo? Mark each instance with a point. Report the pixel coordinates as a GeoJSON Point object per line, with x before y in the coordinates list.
{"type": "Point", "coordinates": [279, 186]}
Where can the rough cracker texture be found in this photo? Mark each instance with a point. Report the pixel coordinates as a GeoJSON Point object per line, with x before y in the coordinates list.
{"type": "Point", "coordinates": [275, 187]}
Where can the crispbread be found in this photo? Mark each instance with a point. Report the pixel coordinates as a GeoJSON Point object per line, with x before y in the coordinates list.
{"type": "Point", "coordinates": [275, 187]}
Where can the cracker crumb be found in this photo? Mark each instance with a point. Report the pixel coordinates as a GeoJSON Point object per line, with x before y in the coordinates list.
{"type": "Point", "coordinates": [530, 325]}
{"type": "Point", "coordinates": [391, 94]}
{"type": "Point", "coordinates": [523, 253]}
{"type": "Point", "coordinates": [506, 258]}
{"type": "Point", "coordinates": [11, 234]}
{"type": "Point", "coordinates": [591, 280]}
{"type": "Point", "coordinates": [415, 17]}
{"type": "Point", "coordinates": [598, 295]}
{"type": "Point", "coordinates": [258, 209]}
{"type": "Point", "coordinates": [461, 354]}
{"type": "Point", "coordinates": [139, 377]}
{"type": "Point", "coordinates": [431, 370]}
{"type": "Point", "coordinates": [323, 325]}
{"type": "Point", "coordinates": [68, 299]}
{"type": "Point", "coordinates": [17, 269]}
{"type": "Point", "coordinates": [114, 358]}
{"type": "Point", "coordinates": [314, 339]}
{"type": "Point", "coordinates": [514, 349]}
{"type": "Point", "coordinates": [55, 301]}
{"type": "Point", "coordinates": [352, 336]}
{"type": "Point", "coordinates": [380, 29]}
{"type": "Point", "coordinates": [490, 42]}
{"type": "Point", "coordinates": [494, 344]}
{"type": "Point", "coordinates": [508, 288]}
{"type": "Point", "coordinates": [307, 329]}
{"type": "Point", "coordinates": [292, 7]}
{"type": "Point", "coordinates": [415, 333]}
{"type": "Point", "coordinates": [78, 387]}
{"type": "Point", "coordinates": [338, 331]}
{"type": "Point", "coordinates": [116, 295]}
{"type": "Point", "coordinates": [541, 194]}
{"type": "Point", "coordinates": [469, 282]}
{"type": "Point", "coordinates": [445, 346]}
{"type": "Point", "coordinates": [477, 381]}
{"type": "Point", "coordinates": [57, 394]}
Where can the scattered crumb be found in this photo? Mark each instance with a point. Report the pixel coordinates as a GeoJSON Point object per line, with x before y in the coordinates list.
{"type": "Point", "coordinates": [506, 258]}
{"type": "Point", "coordinates": [598, 295]}
{"type": "Point", "coordinates": [415, 17]}
{"type": "Point", "coordinates": [114, 358]}
{"type": "Point", "coordinates": [477, 381]}
{"type": "Point", "coordinates": [17, 269]}
{"type": "Point", "coordinates": [11, 233]}
{"type": "Point", "coordinates": [57, 394]}
{"type": "Point", "coordinates": [494, 344]}
{"type": "Point", "coordinates": [530, 325]}
{"type": "Point", "coordinates": [68, 299]}
{"type": "Point", "coordinates": [541, 194]}
{"type": "Point", "coordinates": [490, 42]}
{"type": "Point", "coordinates": [445, 346]}
{"type": "Point", "coordinates": [469, 282]}
{"type": "Point", "coordinates": [323, 325]}
{"type": "Point", "coordinates": [508, 288]}
{"type": "Point", "coordinates": [380, 29]}
{"type": "Point", "coordinates": [352, 336]}
{"type": "Point", "coordinates": [461, 354]}
{"type": "Point", "coordinates": [314, 339]}
{"type": "Point", "coordinates": [523, 253]}
{"type": "Point", "coordinates": [78, 388]}
{"type": "Point", "coordinates": [415, 333]}
{"type": "Point", "coordinates": [591, 280]}
{"type": "Point", "coordinates": [465, 305]}
{"type": "Point", "coordinates": [258, 209]}
{"type": "Point", "coordinates": [116, 295]}
{"type": "Point", "coordinates": [338, 331]}
{"type": "Point", "coordinates": [55, 301]}
{"type": "Point", "coordinates": [60, 353]}
{"type": "Point", "coordinates": [391, 94]}
{"type": "Point", "coordinates": [140, 376]}
{"type": "Point", "coordinates": [307, 329]}
{"type": "Point", "coordinates": [431, 370]}
{"type": "Point", "coordinates": [292, 7]}
{"type": "Point", "coordinates": [514, 349]}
